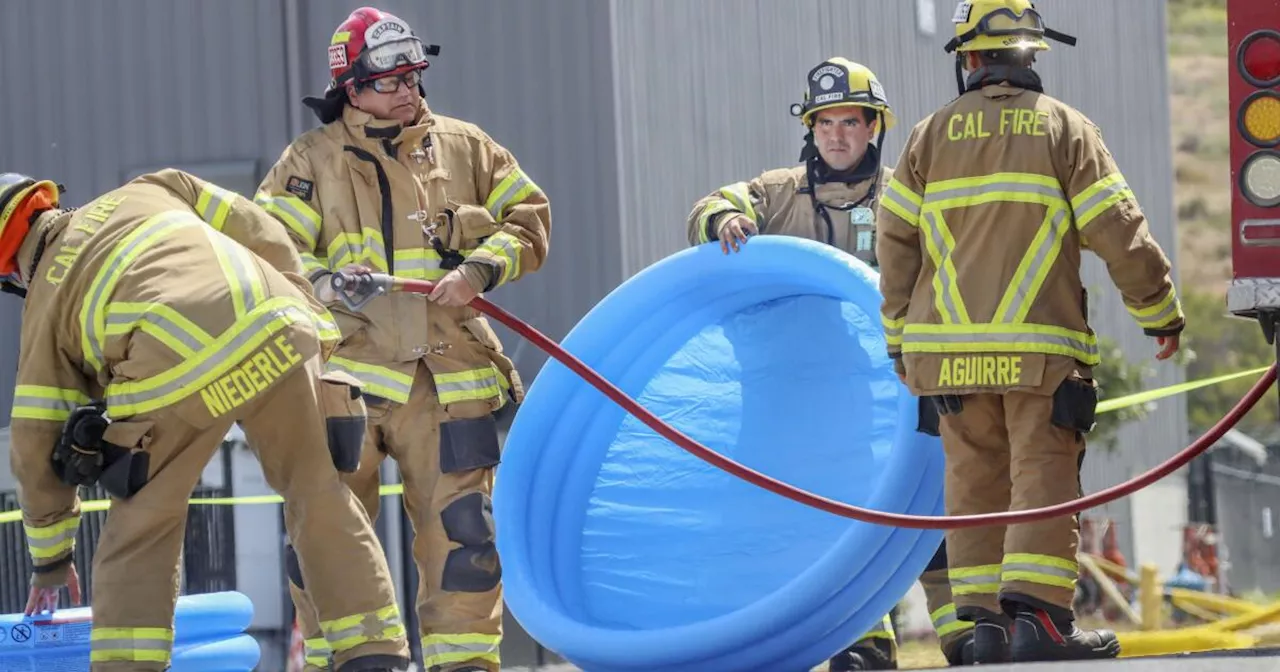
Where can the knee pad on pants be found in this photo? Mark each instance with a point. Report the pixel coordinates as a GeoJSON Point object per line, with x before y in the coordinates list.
{"type": "Point", "coordinates": [345, 414]}
{"type": "Point", "coordinates": [291, 567]}
{"type": "Point", "coordinates": [473, 568]}
{"type": "Point", "coordinates": [469, 444]}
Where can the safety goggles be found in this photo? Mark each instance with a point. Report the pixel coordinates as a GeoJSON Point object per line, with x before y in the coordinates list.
{"type": "Point", "coordinates": [1005, 21]}
{"type": "Point", "coordinates": [391, 83]}
{"type": "Point", "coordinates": [392, 55]}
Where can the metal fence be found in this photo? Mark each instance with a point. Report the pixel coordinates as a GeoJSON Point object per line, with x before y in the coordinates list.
{"type": "Point", "coordinates": [208, 550]}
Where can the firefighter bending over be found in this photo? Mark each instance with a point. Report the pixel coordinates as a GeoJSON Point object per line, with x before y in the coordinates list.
{"type": "Point", "coordinates": [831, 197]}
{"type": "Point", "coordinates": [387, 184]}
{"type": "Point", "coordinates": [155, 317]}
{"type": "Point", "coordinates": [980, 236]}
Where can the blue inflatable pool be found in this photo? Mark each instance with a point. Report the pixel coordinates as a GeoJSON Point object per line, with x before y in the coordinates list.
{"type": "Point", "coordinates": [623, 552]}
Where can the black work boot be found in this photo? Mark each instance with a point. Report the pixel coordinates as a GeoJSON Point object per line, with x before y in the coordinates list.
{"type": "Point", "coordinates": [1047, 634]}
{"type": "Point", "coordinates": [862, 656]}
{"type": "Point", "coordinates": [960, 653]}
{"type": "Point", "coordinates": [990, 635]}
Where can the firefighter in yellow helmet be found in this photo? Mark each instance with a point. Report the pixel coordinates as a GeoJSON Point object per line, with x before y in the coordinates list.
{"type": "Point", "coordinates": [832, 197]}
{"type": "Point", "coordinates": [390, 185]}
{"type": "Point", "coordinates": [981, 231]}
{"type": "Point", "coordinates": [156, 317]}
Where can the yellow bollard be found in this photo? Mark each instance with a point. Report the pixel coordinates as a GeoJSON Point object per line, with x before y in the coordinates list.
{"type": "Point", "coordinates": [1152, 598]}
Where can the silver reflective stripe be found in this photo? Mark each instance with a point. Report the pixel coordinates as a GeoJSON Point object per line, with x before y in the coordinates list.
{"type": "Point", "coordinates": [242, 278]}
{"type": "Point", "coordinates": [944, 283]}
{"type": "Point", "coordinates": [93, 318]}
{"type": "Point", "coordinates": [443, 649]}
{"type": "Point", "coordinates": [215, 362]}
{"type": "Point", "coordinates": [124, 319]}
{"type": "Point", "coordinates": [34, 401]}
{"type": "Point", "coordinates": [510, 253]}
{"type": "Point", "coordinates": [304, 224]}
{"type": "Point", "coordinates": [1036, 568]}
{"type": "Point", "coordinates": [338, 254]}
{"type": "Point", "coordinates": [977, 580]}
{"type": "Point", "coordinates": [912, 337]}
{"type": "Point", "coordinates": [1102, 195]}
{"type": "Point", "coordinates": [901, 201]}
{"type": "Point", "coordinates": [462, 387]}
{"type": "Point", "coordinates": [946, 194]}
{"type": "Point", "coordinates": [1159, 318]}
{"type": "Point", "coordinates": [425, 266]}
{"type": "Point", "coordinates": [374, 381]}
{"type": "Point", "coordinates": [214, 199]}
{"type": "Point", "coordinates": [496, 206]}
{"type": "Point", "coordinates": [1023, 290]}
{"type": "Point", "coordinates": [59, 538]}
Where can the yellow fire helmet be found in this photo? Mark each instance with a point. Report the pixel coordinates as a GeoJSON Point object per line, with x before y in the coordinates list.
{"type": "Point", "coordinates": [839, 82]}
{"type": "Point", "coordinates": [988, 25]}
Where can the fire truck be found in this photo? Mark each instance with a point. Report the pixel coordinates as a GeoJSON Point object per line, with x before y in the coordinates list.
{"type": "Point", "coordinates": [1253, 36]}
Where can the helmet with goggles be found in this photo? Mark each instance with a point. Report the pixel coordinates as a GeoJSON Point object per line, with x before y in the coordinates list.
{"type": "Point", "coordinates": [372, 44]}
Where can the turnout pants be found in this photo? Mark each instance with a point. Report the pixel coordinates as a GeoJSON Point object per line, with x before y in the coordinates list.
{"type": "Point", "coordinates": [1010, 452]}
{"type": "Point", "coordinates": [136, 566]}
{"type": "Point", "coordinates": [447, 461]}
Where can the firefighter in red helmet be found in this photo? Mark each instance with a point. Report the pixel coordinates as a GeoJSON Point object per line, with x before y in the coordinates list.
{"type": "Point", "coordinates": [386, 184]}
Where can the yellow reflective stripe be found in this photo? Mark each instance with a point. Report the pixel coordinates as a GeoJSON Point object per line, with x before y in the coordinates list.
{"type": "Point", "coordinates": [1022, 337]}
{"type": "Point", "coordinates": [512, 190]}
{"type": "Point", "coordinates": [239, 268]}
{"type": "Point", "coordinates": [995, 188]}
{"type": "Point", "coordinates": [893, 330]}
{"type": "Point", "coordinates": [739, 195]}
{"type": "Point", "coordinates": [351, 631]}
{"type": "Point", "coordinates": [980, 580]}
{"type": "Point", "coordinates": [52, 541]}
{"type": "Point", "coordinates": [1099, 197]}
{"type": "Point", "coordinates": [41, 402]}
{"type": "Point", "coordinates": [1034, 268]}
{"type": "Point", "coordinates": [316, 651]}
{"type": "Point", "coordinates": [711, 209]}
{"type": "Point", "coordinates": [1046, 570]}
{"type": "Point", "coordinates": [901, 201]}
{"type": "Point", "coordinates": [473, 384]}
{"type": "Point", "coordinates": [214, 204]}
{"type": "Point", "coordinates": [311, 264]}
{"type": "Point", "coordinates": [295, 214]}
{"type": "Point", "coordinates": [365, 248]}
{"type": "Point", "coordinates": [152, 645]}
{"type": "Point", "coordinates": [885, 631]}
{"type": "Point", "coordinates": [228, 350]}
{"type": "Point", "coordinates": [159, 321]}
{"type": "Point", "coordinates": [946, 622]}
{"type": "Point", "coordinates": [445, 649]}
{"type": "Point", "coordinates": [420, 263]}
{"type": "Point", "coordinates": [93, 313]}
{"type": "Point", "coordinates": [1161, 314]}
{"type": "Point", "coordinates": [946, 291]}
{"type": "Point", "coordinates": [503, 249]}
{"type": "Point", "coordinates": [379, 381]}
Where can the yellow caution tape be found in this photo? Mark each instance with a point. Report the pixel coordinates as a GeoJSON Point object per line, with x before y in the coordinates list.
{"type": "Point", "coordinates": [1103, 407]}
{"type": "Point", "coordinates": [1151, 395]}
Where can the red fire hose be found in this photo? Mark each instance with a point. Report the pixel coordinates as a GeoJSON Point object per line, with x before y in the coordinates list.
{"type": "Point", "coordinates": [391, 283]}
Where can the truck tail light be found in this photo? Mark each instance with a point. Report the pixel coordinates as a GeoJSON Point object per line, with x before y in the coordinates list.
{"type": "Point", "coordinates": [1260, 58]}
{"type": "Point", "coordinates": [1260, 118]}
{"type": "Point", "coordinates": [1260, 179]}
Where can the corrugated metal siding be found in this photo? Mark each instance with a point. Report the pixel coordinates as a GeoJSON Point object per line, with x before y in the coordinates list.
{"type": "Point", "coordinates": [704, 89]}
{"type": "Point", "coordinates": [537, 78]}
